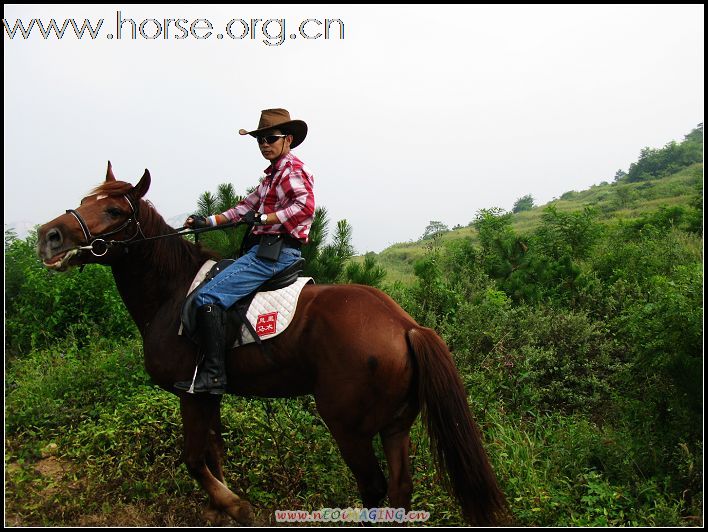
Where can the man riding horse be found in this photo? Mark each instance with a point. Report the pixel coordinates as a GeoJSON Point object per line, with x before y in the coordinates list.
{"type": "Point", "coordinates": [283, 207]}
{"type": "Point", "coordinates": [369, 366]}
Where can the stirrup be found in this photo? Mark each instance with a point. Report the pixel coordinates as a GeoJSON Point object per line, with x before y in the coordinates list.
{"type": "Point", "coordinates": [191, 387]}
{"type": "Point", "coordinates": [181, 385]}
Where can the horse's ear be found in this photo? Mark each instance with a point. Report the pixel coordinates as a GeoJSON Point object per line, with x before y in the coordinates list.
{"type": "Point", "coordinates": [143, 185]}
{"type": "Point", "coordinates": [109, 173]}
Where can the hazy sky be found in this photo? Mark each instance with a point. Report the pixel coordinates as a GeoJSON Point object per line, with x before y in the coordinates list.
{"type": "Point", "coordinates": [415, 114]}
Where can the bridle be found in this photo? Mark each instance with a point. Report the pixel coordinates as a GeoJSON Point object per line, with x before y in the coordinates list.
{"type": "Point", "coordinates": [97, 244]}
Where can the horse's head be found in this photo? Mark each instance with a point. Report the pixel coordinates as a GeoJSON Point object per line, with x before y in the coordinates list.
{"type": "Point", "coordinates": [82, 235]}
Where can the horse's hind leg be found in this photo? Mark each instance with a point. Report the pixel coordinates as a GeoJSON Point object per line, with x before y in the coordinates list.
{"type": "Point", "coordinates": [358, 453]}
{"type": "Point", "coordinates": [400, 483]}
{"type": "Point", "coordinates": [199, 415]}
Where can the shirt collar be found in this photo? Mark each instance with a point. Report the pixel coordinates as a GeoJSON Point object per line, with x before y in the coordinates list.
{"type": "Point", "coordinates": [279, 165]}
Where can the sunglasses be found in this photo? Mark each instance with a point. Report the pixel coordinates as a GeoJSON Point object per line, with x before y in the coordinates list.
{"type": "Point", "coordinates": [269, 139]}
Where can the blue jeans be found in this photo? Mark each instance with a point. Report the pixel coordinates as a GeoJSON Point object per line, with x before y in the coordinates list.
{"type": "Point", "coordinates": [243, 277]}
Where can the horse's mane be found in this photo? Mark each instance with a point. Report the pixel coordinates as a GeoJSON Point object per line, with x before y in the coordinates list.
{"type": "Point", "coordinates": [172, 254]}
{"type": "Point", "coordinates": [112, 188]}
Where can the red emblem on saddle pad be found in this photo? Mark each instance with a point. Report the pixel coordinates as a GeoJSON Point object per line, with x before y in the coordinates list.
{"type": "Point", "coordinates": [265, 324]}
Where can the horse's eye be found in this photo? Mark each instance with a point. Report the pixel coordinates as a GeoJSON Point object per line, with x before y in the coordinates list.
{"type": "Point", "coordinates": [112, 211]}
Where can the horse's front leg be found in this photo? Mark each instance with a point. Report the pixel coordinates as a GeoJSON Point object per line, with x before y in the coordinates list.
{"type": "Point", "coordinates": [214, 461]}
{"type": "Point", "coordinates": [200, 415]}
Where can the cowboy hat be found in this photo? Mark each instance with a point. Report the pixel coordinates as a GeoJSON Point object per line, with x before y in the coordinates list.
{"type": "Point", "coordinates": [279, 119]}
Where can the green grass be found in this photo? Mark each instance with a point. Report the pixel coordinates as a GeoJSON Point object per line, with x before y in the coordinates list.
{"type": "Point", "coordinates": [90, 442]}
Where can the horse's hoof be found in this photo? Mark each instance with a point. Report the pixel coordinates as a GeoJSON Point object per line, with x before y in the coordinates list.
{"type": "Point", "coordinates": [215, 517]}
{"type": "Point", "coordinates": [242, 512]}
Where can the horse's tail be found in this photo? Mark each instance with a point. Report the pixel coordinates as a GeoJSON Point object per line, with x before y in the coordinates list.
{"type": "Point", "coordinates": [455, 439]}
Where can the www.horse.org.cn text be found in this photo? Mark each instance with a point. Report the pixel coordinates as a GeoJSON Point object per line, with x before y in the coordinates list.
{"type": "Point", "coordinates": [271, 32]}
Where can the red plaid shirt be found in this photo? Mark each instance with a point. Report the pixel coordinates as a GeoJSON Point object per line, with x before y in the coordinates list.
{"type": "Point", "coordinates": [286, 190]}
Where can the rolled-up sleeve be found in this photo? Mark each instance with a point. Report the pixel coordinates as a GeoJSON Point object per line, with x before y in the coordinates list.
{"type": "Point", "coordinates": [249, 203]}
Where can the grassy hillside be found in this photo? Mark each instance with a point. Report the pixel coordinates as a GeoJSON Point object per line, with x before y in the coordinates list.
{"type": "Point", "coordinates": [612, 201]}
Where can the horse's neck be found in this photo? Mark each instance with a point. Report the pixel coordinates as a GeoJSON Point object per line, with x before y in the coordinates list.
{"type": "Point", "coordinates": [154, 277]}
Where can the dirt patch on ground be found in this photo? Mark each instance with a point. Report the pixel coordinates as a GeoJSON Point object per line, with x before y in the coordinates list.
{"type": "Point", "coordinates": [123, 515]}
{"type": "Point", "coordinates": [52, 467]}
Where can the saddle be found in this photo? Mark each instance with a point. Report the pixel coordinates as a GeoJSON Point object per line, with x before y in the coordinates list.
{"type": "Point", "coordinates": [236, 315]}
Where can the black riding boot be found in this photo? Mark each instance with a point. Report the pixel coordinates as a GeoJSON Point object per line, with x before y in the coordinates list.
{"type": "Point", "coordinates": [211, 374]}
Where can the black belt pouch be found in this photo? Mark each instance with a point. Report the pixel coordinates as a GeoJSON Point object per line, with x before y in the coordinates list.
{"type": "Point", "coordinates": [269, 247]}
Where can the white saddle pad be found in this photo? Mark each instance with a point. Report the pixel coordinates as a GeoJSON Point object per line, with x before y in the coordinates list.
{"type": "Point", "coordinates": [270, 313]}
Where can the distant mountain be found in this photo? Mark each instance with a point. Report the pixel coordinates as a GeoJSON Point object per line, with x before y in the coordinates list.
{"type": "Point", "coordinates": [21, 228]}
{"type": "Point", "coordinates": [177, 220]}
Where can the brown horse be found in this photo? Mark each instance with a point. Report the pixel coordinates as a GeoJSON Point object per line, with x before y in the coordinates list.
{"type": "Point", "coordinates": [369, 365]}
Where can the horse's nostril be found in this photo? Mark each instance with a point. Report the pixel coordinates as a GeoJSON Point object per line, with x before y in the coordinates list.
{"type": "Point", "coordinates": [54, 237]}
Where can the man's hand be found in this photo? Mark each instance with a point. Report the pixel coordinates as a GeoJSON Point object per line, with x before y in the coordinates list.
{"type": "Point", "coordinates": [250, 217]}
{"type": "Point", "coordinates": [196, 221]}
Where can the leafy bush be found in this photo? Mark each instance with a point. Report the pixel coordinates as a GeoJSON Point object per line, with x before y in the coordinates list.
{"type": "Point", "coordinates": [524, 203]}
{"type": "Point", "coordinates": [369, 273]}
{"type": "Point", "coordinates": [671, 158]}
{"type": "Point", "coordinates": [72, 304]}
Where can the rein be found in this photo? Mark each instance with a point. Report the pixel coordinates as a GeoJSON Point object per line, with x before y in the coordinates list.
{"type": "Point", "coordinates": [98, 245]}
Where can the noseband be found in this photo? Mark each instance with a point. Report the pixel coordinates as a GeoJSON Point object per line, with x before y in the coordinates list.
{"type": "Point", "coordinates": [97, 245]}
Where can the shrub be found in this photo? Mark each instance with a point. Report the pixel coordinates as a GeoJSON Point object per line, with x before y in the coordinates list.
{"type": "Point", "coordinates": [73, 304]}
